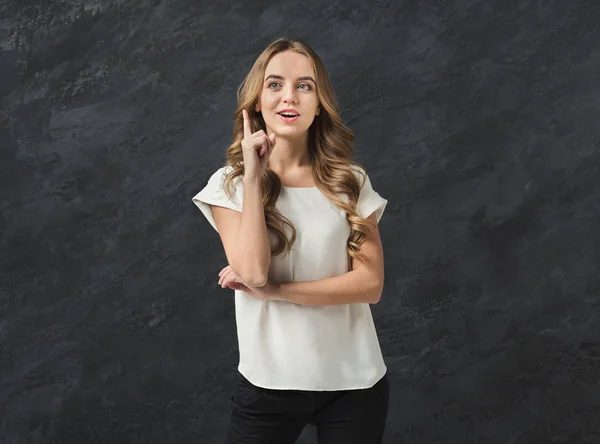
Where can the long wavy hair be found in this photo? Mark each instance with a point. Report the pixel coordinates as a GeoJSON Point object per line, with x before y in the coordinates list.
{"type": "Point", "coordinates": [331, 145]}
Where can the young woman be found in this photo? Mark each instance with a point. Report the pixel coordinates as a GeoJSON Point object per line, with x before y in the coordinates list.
{"type": "Point", "coordinates": [298, 222]}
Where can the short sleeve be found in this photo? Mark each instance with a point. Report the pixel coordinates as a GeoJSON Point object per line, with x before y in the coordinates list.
{"type": "Point", "coordinates": [370, 201]}
{"type": "Point", "coordinates": [214, 194]}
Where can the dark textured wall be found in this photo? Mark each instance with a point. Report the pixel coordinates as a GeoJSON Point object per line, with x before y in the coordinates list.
{"type": "Point", "coordinates": [477, 120]}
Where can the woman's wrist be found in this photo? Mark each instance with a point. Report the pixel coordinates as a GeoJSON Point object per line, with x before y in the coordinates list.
{"type": "Point", "coordinates": [251, 180]}
{"type": "Point", "coordinates": [281, 290]}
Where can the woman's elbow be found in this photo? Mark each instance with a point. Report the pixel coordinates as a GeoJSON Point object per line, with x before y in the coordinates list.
{"type": "Point", "coordinates": [375, 299]}
{"type": "Point", "coordinates": [256, 281]}
{"type": "Point", "coordinates": [253, 278]}
{"type": "Point", "coordinates": [376, 293]}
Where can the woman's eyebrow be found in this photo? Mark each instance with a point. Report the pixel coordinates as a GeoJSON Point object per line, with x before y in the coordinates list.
{"type": "Point", "coordinates": [278, 77]}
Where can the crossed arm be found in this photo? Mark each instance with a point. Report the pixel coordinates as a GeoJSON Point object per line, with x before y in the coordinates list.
{"type": "Point", "coordinates": [363, 284]}
{"type": "Point", "coordinates": [247, 248]}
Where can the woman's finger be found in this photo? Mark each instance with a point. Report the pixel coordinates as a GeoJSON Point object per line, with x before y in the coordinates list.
{"type": "Point", "coordinates": [264, 146]}
{"type": "Point", "coordinates": [229, 277]}
{"type": "Point", "coordinates": [247, 126]}
{"type": "Point", "coordinates": [272, 141]}
{"type": "Point", "coordinates": [225, 282]}
{"type": "Point", "coordinates": [269, 146]}
{"type": "Point", "coordinates": [222, 274]}
{"type": "Point", "coordinates": [224, 277]}
{"type": "Point", "coordinates": [235, 284]}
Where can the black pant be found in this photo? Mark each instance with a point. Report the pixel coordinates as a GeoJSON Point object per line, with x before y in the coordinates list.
{"type": "Point", "coordinates": [265, 416]}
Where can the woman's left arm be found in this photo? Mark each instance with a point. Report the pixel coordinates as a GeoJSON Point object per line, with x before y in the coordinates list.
{"type": "Point", "coordinates": [364, 284]}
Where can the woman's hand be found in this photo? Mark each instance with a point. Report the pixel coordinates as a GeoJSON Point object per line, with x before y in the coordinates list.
{"type": "Point", "coordinates": [256, 149]}
{"type": "Point", "coordinates": [229, 278]}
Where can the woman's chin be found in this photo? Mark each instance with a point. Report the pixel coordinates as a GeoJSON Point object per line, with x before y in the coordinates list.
{"type": "Point", "coordinates": [288, 132]}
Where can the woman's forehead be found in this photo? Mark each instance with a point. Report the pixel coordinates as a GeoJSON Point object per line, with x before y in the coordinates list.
{"type": "Point", "coordinates": [290, 64]}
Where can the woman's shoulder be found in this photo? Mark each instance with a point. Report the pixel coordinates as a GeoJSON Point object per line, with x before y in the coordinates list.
{"type": "Point", "coordinates": [222, 172]}
{"type": "Point", "coordinates": [218, 180]}
{"type": "Point", "coordinates": [359, 171]}
{"type": "Point", "coordinates": [358, 168]}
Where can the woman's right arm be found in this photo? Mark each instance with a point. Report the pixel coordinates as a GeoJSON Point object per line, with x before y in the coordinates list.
{"type": "Point", "coordinates": [244, 236]}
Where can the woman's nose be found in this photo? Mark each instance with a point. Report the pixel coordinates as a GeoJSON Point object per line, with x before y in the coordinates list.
{"type": "Point", "coordinates": [290, 95]}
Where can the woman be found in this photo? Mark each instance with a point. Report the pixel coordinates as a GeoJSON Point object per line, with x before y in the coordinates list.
{"type": "Point", "coordinates": [298, 222]}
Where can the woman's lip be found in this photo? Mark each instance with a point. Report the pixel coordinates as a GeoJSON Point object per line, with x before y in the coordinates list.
{"type": "Point", "coordinates": [289, 119]}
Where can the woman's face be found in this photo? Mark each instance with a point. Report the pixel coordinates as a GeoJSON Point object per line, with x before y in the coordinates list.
{"type": "Point", "coordinates": [289, 84]}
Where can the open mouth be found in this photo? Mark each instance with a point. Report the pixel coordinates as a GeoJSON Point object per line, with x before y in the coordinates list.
{"type": "Point", "coordinates": [289, 117]}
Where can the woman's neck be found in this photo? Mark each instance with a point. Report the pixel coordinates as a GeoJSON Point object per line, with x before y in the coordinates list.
{"type": "Point", "coordinates": [289, 155]}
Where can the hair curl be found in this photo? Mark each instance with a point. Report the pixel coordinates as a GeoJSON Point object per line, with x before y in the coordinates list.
{"type": "Point", "coordinates": [331, 146]}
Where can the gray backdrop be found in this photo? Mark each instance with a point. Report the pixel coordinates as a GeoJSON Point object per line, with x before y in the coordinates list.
{"type": "Point", "coordinates": [477, 120]}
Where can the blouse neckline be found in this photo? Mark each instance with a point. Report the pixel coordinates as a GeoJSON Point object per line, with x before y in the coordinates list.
{"type": "Point", "coordinates": [298, 188]}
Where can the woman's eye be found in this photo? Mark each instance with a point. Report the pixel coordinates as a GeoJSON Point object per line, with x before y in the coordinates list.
{"type": "Point", "coordinates": [304, 86]}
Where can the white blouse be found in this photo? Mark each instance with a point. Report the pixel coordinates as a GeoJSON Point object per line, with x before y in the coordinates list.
{"type": "Point", "coordinates": [289, 346]}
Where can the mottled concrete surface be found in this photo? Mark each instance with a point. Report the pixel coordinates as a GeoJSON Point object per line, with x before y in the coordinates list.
{"type": "Point", "coordinates": [477, 120]}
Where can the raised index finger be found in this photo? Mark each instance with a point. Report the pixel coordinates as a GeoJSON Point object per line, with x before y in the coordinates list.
{"type": "Point", "coordinates": [247, 129]}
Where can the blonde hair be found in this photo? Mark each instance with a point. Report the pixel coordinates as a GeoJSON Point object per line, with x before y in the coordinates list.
{"type": "Point", "coordinates": [331, 145]}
